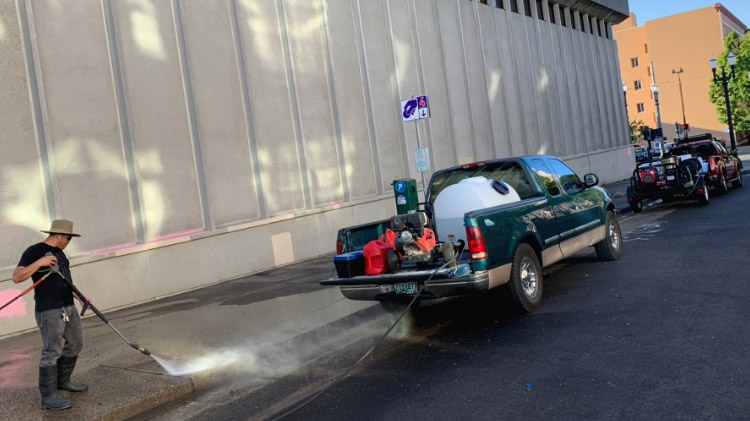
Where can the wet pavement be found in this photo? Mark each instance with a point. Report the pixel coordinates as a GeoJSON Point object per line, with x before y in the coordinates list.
{"type": "Point", "coordinates": [247, 325]}
{"type": "Point", "coordinates": [254, 325]}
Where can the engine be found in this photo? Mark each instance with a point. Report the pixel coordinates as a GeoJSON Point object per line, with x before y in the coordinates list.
{"type": "Point", "coordinates": [410, 236]}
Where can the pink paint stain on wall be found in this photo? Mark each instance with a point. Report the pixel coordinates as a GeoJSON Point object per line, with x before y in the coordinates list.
{"type": "Point", "coordinates": [17, 309]}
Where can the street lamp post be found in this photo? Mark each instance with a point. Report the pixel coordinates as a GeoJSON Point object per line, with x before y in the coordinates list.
{"type": "Point", "coordinates": [655, 91]}
{"type": "Point", "coordinates": [682, 100]}
{"type": "Point", "coordinates": [625, 98]}
{"type": "Point", "coordinates": [732, 59]}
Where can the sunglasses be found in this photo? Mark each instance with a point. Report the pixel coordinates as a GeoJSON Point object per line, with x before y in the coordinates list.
{"type": "Point", "coordinates": [67, 236]}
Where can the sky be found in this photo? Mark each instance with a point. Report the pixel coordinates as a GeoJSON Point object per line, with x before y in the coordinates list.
{"type": "Point", "coordinates": [646, 10]}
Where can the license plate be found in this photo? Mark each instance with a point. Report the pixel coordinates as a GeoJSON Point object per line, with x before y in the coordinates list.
{"type": "Point", "coordinates": [670, 177]}
{"type": "Point", "coordinates": [407, 288]}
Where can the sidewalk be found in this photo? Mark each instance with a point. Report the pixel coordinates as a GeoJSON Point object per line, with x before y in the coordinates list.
{"type": "Point", "coordinates": [243, 322]}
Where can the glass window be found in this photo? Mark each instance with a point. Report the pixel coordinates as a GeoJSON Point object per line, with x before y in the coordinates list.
{"type": "Point", "coordinates": [539, 10]}
{"type": "Point", "coordinates": [527, 7]}
{"type": "Point", "coordinates": [563, 19]}
{"type": "Point", "coordinates": [641, 108]}
{"type": "Point", "coordinates": [551, 7]}
{"type": "Point", "coordinates": [568, 177]}
{"type": "Point", "coordinates": [634, 62]}
{"type": "Point", "coordinates": [573, 19]}
{"type": "Point", "coordinates": [544, 173]}
{"type": "Point", "coordinates": [638, 85]}
{"type": "Point", "coordinates": [499, 4]}
{"type": "Point", "coordinates": [509, 172]}
{"type": "Point", "coordinates": [514, 6]}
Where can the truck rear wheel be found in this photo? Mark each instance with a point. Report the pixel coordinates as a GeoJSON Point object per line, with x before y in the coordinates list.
{"type": "Point", "coordinates": [611, 247]}
{"type": "Point", "coordinates": [738, 182]}
{"type": "Point", "coordinates": [636, 206]}
{"type": "Point", "coordinates": [524, 291]}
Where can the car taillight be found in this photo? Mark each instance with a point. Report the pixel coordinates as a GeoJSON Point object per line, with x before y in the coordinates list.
{"type": "Point", "coordinates": [477, 248]}
{"type": "Point", "coordinates": [339, 247]}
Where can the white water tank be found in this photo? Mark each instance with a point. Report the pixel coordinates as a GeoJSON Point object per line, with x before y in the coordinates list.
{"type": "Point", "coordinates": [467, 195]}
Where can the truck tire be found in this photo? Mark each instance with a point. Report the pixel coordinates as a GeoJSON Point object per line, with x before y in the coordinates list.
{"type": "Point", "coordinates": [703, 199]}
{"type": "Point", "coordinates": [611, 247]}
{"type": "Point", "coordinates": [722, 186]}
{"type": "Point", "coordinates": [524, 291]}
{"type": "Point", "coordinates": [636, 206]}
{"type": "Point", "coordinates": [737, 183]}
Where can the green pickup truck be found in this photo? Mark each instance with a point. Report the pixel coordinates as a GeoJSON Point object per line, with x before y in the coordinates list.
{"type": "Point", "coordinates": [553, 216]}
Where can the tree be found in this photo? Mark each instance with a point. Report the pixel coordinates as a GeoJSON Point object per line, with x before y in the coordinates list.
{"type": "Point", "coordinates": [739, 86]}
{"type": "Point", "coordinates": [635, 131]}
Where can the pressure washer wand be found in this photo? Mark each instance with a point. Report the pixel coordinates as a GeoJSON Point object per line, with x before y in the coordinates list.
{"type": "Point", "coordinates": [26, 291]}
{"type": "Point", "coordinates": [96, 311]}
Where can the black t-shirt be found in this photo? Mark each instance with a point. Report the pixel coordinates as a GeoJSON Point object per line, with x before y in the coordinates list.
{"type": "Point", "coordinates": [53, 292]}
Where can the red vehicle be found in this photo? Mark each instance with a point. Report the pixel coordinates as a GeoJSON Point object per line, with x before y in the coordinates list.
{"type": "Point", "coordinates": [722, 167]}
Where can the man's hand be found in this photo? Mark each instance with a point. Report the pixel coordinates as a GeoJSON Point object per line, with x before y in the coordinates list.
{"type": "Point", "coordinates": [22, 273]}
{"type": "Point", "coordinates": [47, 261]}
{"type": "Point", "coordinates": [81, 300]}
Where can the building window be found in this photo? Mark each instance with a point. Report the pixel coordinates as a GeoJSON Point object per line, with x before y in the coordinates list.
{"type": "Point", "coordinates": [573, 19]}
{"type": "Point", "coordinates": [591, 25]}
{"type": "Point", "coordinates": [563, 19]}
{"type": "Point", "coordinates": [641, 107]}
{"type": "Point", "coordinates": [645, 48]}
{"type": "Point", "coordinates": [539, 10]}
{"type": "Point", "coordinates": [634, 62]}
{"type": "Point", "coordinates": [483, 1]}
{"type": "Point", "coordinates": [499, 4]}
{"type": "Point", "coordinates": [514, 6]}
{"type": "Point", "coordinates": [527, 7]}
{"type": "Point", "coordinates": [551, 12]}
{"type": "Point", "coordinates": [638, 85]}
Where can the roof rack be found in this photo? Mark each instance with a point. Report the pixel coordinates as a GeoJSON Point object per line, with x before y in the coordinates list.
{"type": "Point", "coordinates": [696, 138]}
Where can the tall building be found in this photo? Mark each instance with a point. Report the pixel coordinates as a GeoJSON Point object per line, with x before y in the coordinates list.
{"type": "Point", "coordinates": [197, 141]}
{"type": "Point", "coordinates": [673, 53]}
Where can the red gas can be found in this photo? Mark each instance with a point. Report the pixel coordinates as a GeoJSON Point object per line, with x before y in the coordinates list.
{"type": "Point", "coordinates": [376, 257]}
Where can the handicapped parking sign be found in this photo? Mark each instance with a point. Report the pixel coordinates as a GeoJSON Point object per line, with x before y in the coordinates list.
{"type": "Point", "coordinates": [415, 108]}
{"type": "Point", "coordinates": [409, 109]}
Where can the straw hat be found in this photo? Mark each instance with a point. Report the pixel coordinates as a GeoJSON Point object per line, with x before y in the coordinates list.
{"type": "Point", "coordinates": [62, 226]}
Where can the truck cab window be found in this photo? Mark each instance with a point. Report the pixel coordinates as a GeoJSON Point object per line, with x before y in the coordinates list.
{"type": "Point", "coordinates": [544, 173]}
{"type": "Point", "coordinates": [568, 178]}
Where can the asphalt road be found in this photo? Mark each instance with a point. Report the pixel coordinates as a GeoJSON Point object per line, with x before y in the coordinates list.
{"type": "Point", "coordinates": [661, 333]}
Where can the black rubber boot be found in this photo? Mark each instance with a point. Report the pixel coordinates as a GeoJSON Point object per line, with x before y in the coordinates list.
{"type": "Point", "coordinates": [65, 367]}
{"type": "Point", "coordinates": [48, 389]}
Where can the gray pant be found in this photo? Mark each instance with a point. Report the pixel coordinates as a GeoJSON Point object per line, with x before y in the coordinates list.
{"type": "Point", "coordinates": [59, 337]}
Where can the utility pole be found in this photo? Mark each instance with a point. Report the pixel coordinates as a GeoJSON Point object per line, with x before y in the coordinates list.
{"type": "Point", "coordinates": [682, 100]}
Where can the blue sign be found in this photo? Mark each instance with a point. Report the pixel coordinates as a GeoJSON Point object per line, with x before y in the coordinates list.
{"type": "Point", "coordinates": [400, 187]}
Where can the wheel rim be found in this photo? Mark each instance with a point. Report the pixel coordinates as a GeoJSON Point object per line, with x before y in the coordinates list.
{"type": "Point", "coordinates": [705, 194]}
{"type": "Point", "coordinates": [614, 237]}
{"type": "Point", "coordinates": [528, 277]}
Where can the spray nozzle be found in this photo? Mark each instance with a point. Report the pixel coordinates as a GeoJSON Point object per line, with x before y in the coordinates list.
{"type": "Point", "coordinates": [139, 348]}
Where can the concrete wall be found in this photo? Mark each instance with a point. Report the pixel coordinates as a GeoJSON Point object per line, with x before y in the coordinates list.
{"type": "Point", "coordinates": [193, 141]}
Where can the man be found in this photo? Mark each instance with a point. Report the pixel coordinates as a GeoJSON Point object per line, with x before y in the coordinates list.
{"type": "Point", "coordinates": [56, 316]}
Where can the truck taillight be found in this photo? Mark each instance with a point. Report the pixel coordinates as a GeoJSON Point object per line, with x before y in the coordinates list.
{"type": "Point", "coordinates": [477, 248]}
{"type": "Point", "coordinates": [339, 247]}
{"type": "Point", "coordinates": [712, 164]}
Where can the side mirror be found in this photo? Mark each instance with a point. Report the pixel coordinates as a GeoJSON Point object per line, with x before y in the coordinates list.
{"type": "Point", "coordinates": [590, 180]}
